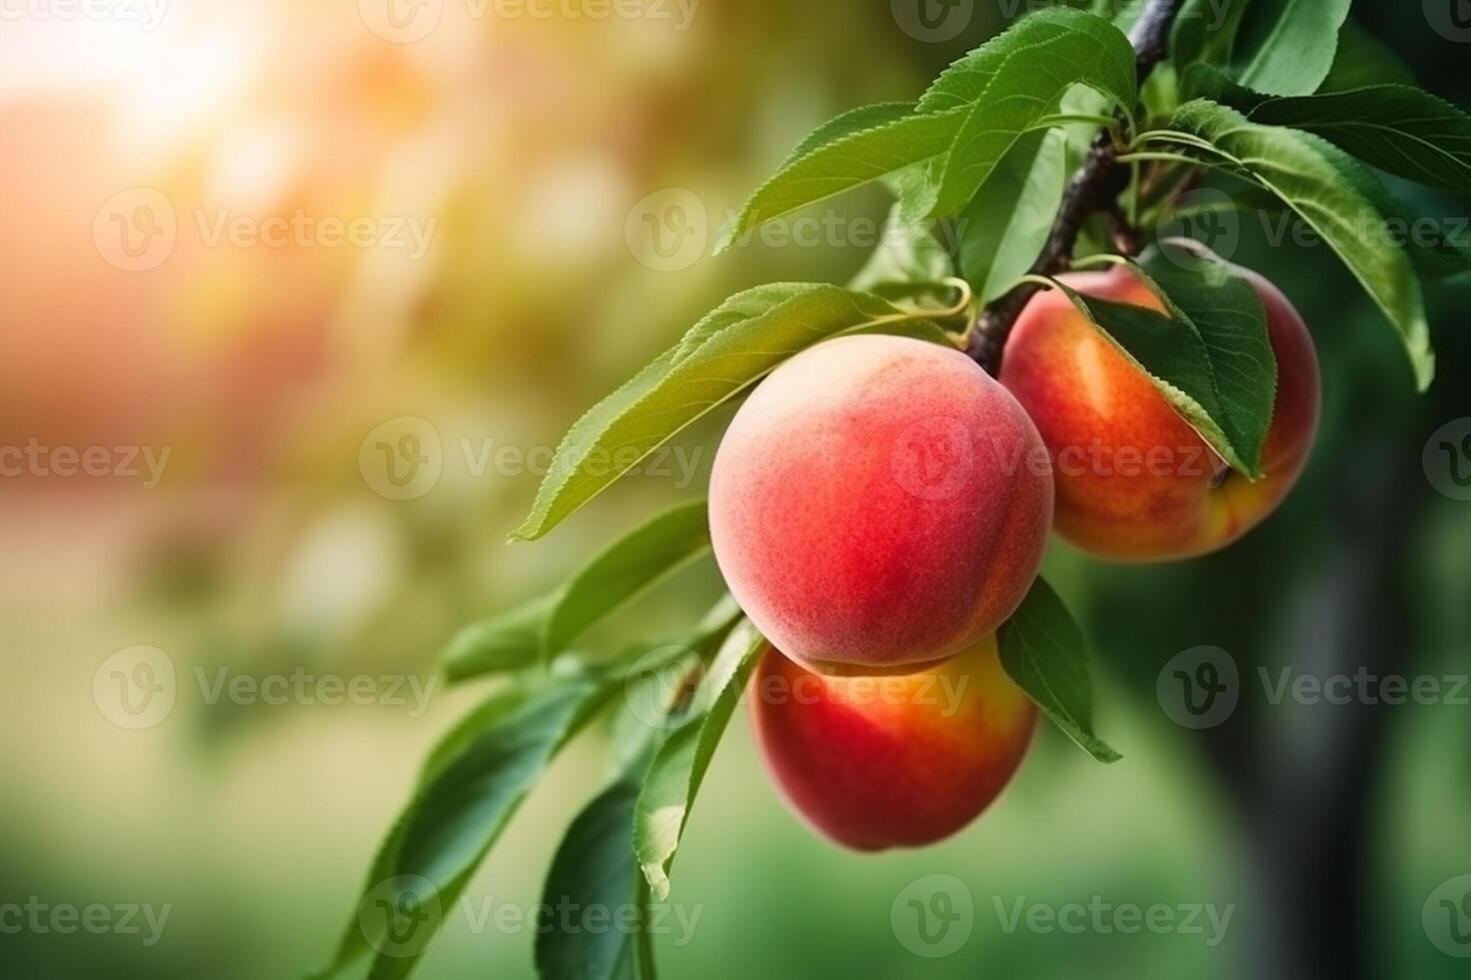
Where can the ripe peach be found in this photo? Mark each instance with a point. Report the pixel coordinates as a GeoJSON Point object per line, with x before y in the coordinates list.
{"type": "Point", "coordinates": [878, 503]}
{"type": "Point", "coordinates": [892, 761]}
{"type": "Point", "coordinates": [1134, 480]}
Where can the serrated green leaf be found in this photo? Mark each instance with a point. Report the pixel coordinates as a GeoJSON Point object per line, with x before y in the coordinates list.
{"type": "Point", "coordinates": [1046, 55]}
{"type": "Point", "coordinates": [1211, 357]}
{"type": "Point", "coordinates": [1398, 128]}
{"type": "Point", "coordinates": [842, 164]}
{"type": "Point", "coordinates": [1304, 172]}
{"type": "Point", "coordinates": [847, 124]}
{"type": "Point", "coordinates": [679, 768]}
{"type": "Point", "coordinates": [1043, 650]}
{"type": "Point", "coordinates": [733, 347]}
{"type": "Point", "coordinates": [477, 779]}
{"type": "Point", "coordinates": [1007, 224]}
{"type": "Point", "coordinates": [1286, 47]}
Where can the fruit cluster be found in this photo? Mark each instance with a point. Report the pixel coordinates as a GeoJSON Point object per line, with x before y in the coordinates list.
{"type": "Point", "coordinates": [880, 506]}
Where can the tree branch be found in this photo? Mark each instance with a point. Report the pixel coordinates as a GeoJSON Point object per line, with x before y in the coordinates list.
{"type": "Point", "coordinates": [1093, 188]}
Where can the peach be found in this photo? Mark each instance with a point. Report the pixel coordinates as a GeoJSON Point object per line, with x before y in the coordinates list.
{"type": "Point", "coordinates": [879, 503]}
{"type": "Point", "coordinates": [892, 761]}
{"type": "Point", "coordinates": [1134, 480]}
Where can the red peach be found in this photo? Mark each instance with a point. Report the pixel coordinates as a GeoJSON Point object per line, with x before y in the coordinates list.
{"type": "Point", "coordinates": [893, 761]}
{"type": "Point", "coordinates": [1134, 480]}
{"type": "Point", "coordinates": [879, 503]}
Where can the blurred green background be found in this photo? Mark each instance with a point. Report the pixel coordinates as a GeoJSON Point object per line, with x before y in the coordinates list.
{"type": "Point", "coordinates": [528, 148]}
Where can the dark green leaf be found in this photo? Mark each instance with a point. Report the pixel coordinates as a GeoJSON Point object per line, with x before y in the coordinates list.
{"type": "Point", "coordinates": [1304, 171]}
{"type": "Point", "coordinates": [1286, 47]}
{"type": "Point", "coordinates": [1005, 227]}
{"type": "Point", "coordinates": [1042, 649]}
{"type": "Point", "coordinates": [1022, 80]}
{"type": "Point", "coordinates": [1210, 358]}
{"type": "Point", "coordinates": [674, 779]}
{"type": "Point", "coordinates": [476, 781]}
{"type": "Point", "coordinates": [504, 643]}
{"type": "Point", "coordinates": [730, 349]}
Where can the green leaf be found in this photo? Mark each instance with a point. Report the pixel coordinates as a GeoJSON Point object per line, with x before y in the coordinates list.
{"type": "Point", "coordinates": [1211, 357]}
{"type": "Point", "coordinates": [633, 564]}
{"type": "Point", "coordinates": [842, 164]}
{"type": "Point", "coordinates": [1363, 59]}
{"type": "Point", "coordinates": [1206, 31]}
{"type": "Point", "coordinates": [907, 254]}
{"type": "Point", "coordinates": [1397, 128]}
{"type": "Point", "coordinates": [1007, 224]}
{"type": "Point", "coordinates": [594, 868]}
{"type": "Point", "coordinates": [1042, 649]}
{"type": "Point", "coordinates": [674, 779]}
{"type": "Point", "coordinates": [730, 349]}
{"type": "Point", "coordinates": [1286, 47]}
{"type": "Point", "coordinates": [504, 643]}
{"type": "Point", "coordinates": [476, 781]}
{"type": "Point", "coordinates": [544, 627]}
{"type": "Point", "coordinates": [940, 154]}
{"type": "Point", "coordinates": [1304, 172]}
{"type": "Point", "coordinates": [1040, 60]}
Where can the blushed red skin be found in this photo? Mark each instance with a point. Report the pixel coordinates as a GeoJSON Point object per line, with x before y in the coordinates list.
{"type": "Point", "coordinates": [879, 503]}
{"type": "Point", "coordinates": [910, 767]}
{"type": "Point", "coordinates": [1082, 393]}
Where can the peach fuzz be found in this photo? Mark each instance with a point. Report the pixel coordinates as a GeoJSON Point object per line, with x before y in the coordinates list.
{"type": "Point", "coordinates": [1134, 480]}
{"type": "Point", "coordinates": [879, 503]}
{"type": "Point", "coordinates": [895, 761]}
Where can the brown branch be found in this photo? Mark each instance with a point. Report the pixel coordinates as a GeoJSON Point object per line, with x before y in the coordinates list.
{"type": "Point", "coordinates": [1095, 187]}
